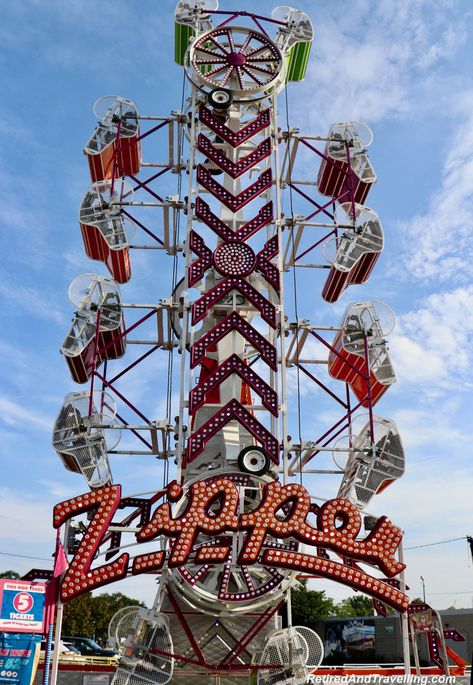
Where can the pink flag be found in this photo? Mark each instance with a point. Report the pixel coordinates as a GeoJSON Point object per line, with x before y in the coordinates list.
{"type": "Point", "coordinates": [60, 563]}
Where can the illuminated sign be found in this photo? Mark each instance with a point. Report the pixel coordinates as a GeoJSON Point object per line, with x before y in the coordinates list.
{"type": "Point", "coordinates": [211, 508]}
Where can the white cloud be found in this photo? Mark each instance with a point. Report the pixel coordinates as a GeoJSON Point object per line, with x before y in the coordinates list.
{"type": "Point", "coordinates": [29, 299]}
{"type": "Point", "coordinates": [58, 490]}
{"type": "Point", "coordinates": [437, 243]}
{"type": "Point", "coordinates": [433, 426]}
{"type": "Point", "coordinates": [24, 521]}
{"type": "Point", "coordinates": [13, 414]}
{"type": "Point", "coordinates": [432, 345]}
{"type": "Point", "coordinates": [370, 61]}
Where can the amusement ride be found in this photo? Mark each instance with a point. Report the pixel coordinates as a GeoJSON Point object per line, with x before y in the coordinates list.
{"type": "Point", "coordinates": [243, 209]}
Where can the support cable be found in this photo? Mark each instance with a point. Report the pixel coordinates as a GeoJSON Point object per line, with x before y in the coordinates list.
{"type": "Point", "coordinates": [441, 542]}
{"type": "Point", "coordinates": [294, 283]}
{"type": "Point", "coordinates": [170, 369]}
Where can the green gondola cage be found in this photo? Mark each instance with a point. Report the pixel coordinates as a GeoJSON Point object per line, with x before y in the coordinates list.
{"type": "Point", "coordinates": [190, 19]}
{"type": "Point", "coordinates": [183, 36]}
{"type": "Point", "coordinates": [294, 40]}
{"type": "Point", "coordinates": [297, 61]}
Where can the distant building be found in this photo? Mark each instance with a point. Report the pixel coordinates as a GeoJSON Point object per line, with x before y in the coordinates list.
{"type": "Point", "coordinates": [374, 639]}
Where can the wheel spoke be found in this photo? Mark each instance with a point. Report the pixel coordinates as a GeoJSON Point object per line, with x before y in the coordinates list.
{"type": "Point", "coordinates": [252, 76]}
{"type": "Point", "coordinates": [248, 579]}
{"type": "Point", "coordinates": [263, 60]}
{"type": "Point", "coordinates": [207, 51]}
{"type": "Point", "coordinates": [210, 61]}
{"type": "Point", "coordinates": [240, 78]}
{"type": "Point", "coordinates": [227, 76]}
{"type": "Point", "coordinates": [255, 51]}
{"type": "Point", "coordinates": [218, 70]}
{"type": "Point", "coordinates": [247, 41]}
{"type": "Point", "coordinates": [230, 41]}
{"type": "Point", "coordinates": [225, 579]}
{"type": "Point", "coordinates": [218, 45]}
{"type": "Point", "coordinates": [270, 72]}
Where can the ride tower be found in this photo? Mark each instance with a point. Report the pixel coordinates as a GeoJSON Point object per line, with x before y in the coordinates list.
{"type": "Point", "coordinates": [233, 525]}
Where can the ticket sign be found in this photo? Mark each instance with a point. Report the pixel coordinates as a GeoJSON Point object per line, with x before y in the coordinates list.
{"type": "Point", "coordinates": [19, 656]}
{"type": "Point", "coordinates": [21, 606]}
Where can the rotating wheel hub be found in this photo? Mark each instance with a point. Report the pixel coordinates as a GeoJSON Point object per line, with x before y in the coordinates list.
{"type": "Point", "coordinates": [244, 61]}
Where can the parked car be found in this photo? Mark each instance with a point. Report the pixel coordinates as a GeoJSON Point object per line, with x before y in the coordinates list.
{"type": "Point", "coordinates": [71, 647]}
{"type": "Point", "coordinates": [64, 647]}
{"type": "Point", "coordinates": [88, 647]}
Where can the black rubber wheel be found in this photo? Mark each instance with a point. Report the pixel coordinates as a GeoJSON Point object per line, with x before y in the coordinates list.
{"type": "Point", "coordinates": [220, 98]}
{"type": "Point", "coordinates": [253, 460]}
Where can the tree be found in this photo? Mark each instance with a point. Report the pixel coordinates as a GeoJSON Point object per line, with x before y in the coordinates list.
{"type": "Point", "coordinates": [358, 605]}
{"type": "Point", "coordinates": [89, 615]}
{"type": "Point", "coordinates": [10, 574]}
{"type": "Point", "coordinates": [310, 605]}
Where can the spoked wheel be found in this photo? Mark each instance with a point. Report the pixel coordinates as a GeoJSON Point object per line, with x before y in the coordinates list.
{"type": "Point", "coordinates": [230, 586]}
{"type": "Point", "coordinates": [238, 59]}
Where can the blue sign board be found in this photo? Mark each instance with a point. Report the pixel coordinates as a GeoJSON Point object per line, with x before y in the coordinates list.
{"type": "Point", "coordinates": [19, 655]}
{"type": "Point", "coordinates": [21, 606]}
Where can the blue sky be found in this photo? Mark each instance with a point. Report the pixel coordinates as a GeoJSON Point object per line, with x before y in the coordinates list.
{"type": "Point", "coordinates": [404, 69]}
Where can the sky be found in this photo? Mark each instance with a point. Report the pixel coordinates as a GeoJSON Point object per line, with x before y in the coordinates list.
{"type": "Point", "coordinates": [401, 67]}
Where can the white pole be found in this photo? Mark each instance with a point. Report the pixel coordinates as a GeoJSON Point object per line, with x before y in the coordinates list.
{"type": "Point", "coordinates": [59, 614]}
{"type": "Point", "coordinates": [57, 639]}
{"type": "Point", "coordinates": [404, 618]}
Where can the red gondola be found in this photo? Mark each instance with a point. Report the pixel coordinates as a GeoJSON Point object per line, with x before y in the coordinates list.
{"type": "Point", "coordinates": [347, 173]}
{"type": "Point", "coordinates": [357, 252]}
{"type": "Point", "coordinates": [114, 150]}
{"type": "Point", "coordinates": [368, 375]}
{"type": "Point", "coordinates": [98, 303]}
{"type": "Point", "coordinates": [103, 227]}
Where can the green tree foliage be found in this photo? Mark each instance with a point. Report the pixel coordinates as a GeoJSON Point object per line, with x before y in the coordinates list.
{"type": "Point", "coordinates": [89, 615]}
{"type": "Point", "coordinates": [308, 606]}
{"type": "Point", "coordinates": [358, 605]}
{"type": "Point", "coordinates": [10, 574]}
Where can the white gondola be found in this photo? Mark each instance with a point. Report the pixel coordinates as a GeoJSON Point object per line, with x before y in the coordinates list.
{"type": "Point", "coordinates": [285, 652]}
{"type": "Point", "coordinates": [298, 27]}
{"type": "Point", "coordinates": [194, 13]}
{"type": "Point", "coordinates": [373, 463]}
{"type": "Point", "coordinates": [315, 647]}
{"type": "Point", "coordinates": [103, 226]}
{"type": "Point", "coordinates": [81, 446]}
{"type": "Point", "coordinates": [114, 148]}
{"type": "Point", "coordinates": [120, 626]}
{"type": "Point", "coordinates": [97, 300]}
{"type": "Point", "coordinates": [143, 661]}
{"type": "Point", "coordinates": [356, 250]}
{"type": "Point", "coordinates": [347, 173]}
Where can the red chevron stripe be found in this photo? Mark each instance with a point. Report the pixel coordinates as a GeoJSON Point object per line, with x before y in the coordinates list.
{"type": "Point", "coordinates": [235, 138]}
{"type": "Point", "coordinates": [230, 366]}
{"type": "Point", "coordinates": [233, 411]}
{"type": "Point", "coordinates": [234, 322]}
{"type": "Point", "coordinates": [234, 169]}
